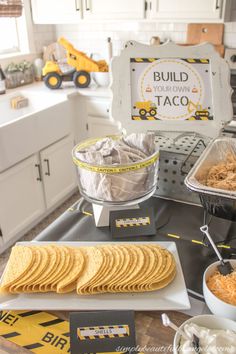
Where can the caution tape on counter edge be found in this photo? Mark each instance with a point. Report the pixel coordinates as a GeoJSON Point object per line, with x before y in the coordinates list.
{"type": "Point", "coordinates": [110, 169]}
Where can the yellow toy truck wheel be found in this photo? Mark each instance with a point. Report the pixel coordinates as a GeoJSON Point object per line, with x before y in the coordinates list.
{"type": "Point", "coordinates": [53, 80]}
{"type": "Point", "coordinates": [142, 112]}
{"type": "Point", "coordinates": [152, 112]}
{"type": "Point", "coordinates": [81, 79]}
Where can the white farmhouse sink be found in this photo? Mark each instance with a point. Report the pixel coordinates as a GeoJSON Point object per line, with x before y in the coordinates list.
{"type": "Point", "coordinates": [26, 131]}
{"type": "Point", "coordinates": [37, 102]}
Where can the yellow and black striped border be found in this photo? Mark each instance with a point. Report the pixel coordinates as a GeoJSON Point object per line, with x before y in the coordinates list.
{"type": "Point", "coordinates": [105, 330]}
{"type": "Point", "coordinates": [130, 222]}
{"type": "Point", "coordinates": [188, 60]}
{"type": "Point", "coordinates": [202, 118]}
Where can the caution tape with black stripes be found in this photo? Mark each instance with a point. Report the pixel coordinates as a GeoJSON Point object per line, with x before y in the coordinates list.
{"type": "Point", "coordinates": [38, 331]}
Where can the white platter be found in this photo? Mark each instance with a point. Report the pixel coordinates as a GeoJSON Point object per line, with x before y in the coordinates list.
{"type": "Point", "coordinates": [173, 297]}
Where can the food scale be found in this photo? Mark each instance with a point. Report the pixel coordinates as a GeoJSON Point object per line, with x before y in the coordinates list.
{"type": "Point", "coordinates": [182, 93]}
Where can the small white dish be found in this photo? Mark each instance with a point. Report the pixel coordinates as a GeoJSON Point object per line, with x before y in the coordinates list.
{"type": "Point", "coordinates": [217, 306]}
{"type": "Point", "coordinates": [101, 78]}
{"type": "Point", "coordinates": [207, 321]}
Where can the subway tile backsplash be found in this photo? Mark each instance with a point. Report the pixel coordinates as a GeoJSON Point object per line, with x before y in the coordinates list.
{"type": "Point", "coordinates": [91, 37]}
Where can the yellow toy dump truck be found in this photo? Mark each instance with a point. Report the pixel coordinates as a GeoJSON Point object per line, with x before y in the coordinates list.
{"type": "Point", "coordinates": [77, 68]}
{"type": "Point", "coordinates": [146, 107]}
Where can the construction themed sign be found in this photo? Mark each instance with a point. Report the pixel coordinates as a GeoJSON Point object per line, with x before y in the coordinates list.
{"type": "Point", "coordinates": [102, 331]}
{"type": "Point", "coordinates": [171, 89]}
{"type": "Point", "coordinates": [132, 223]}
{"type": "Point", "coordinates": [37, 331]}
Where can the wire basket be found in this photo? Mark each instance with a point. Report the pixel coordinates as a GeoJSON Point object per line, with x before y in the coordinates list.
{"type": "Point", "coordinates": [178, 154]}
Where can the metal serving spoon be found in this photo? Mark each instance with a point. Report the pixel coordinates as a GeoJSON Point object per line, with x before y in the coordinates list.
{"type": "Point", "coordinates": [224, 268]}
{"type": "Point", "coordinates": [167, 323]}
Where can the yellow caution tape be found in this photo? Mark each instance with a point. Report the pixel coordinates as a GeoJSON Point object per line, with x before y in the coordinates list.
{"type": "Point", "coordinates": [110, 169]}
{"type": "Point", "coordinates": [198, 242]}
{"type": "Point", "coordinates": [87, 213]}
{"type": "Point", "coordinates": [223, 246]}
{"type": "Point", "coordinates": [173, 235]}
{"type": "Point", "coordinates": [116, 169]}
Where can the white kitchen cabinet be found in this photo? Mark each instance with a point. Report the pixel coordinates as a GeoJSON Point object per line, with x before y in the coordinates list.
{"type": "Point", "coordinates": [56, 11]}
{"type": "Point", "coordinates": [194, 10]}
{"type": "Point", "coordinates": [111, 9]}
{"type": "Point", "coordinates": [22, 199]}
{"type": "Point", "coordinates": [72, 11]}
{"type": "Point", "coordinates": [32, 187]}
{"type": "Point", "coordinates": [58, 171]}
{"type": "Point", "coordinates": [99, 127]}
{"type": "Point", "coordinates": [98, 107]}
{"type": "Point", "coordinates": [98, 122]}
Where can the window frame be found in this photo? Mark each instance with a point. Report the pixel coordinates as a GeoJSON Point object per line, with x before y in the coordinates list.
{"type": "Point", "coordinates": [12, 50]}
{"type": "Point", "coordinates": [24, 28]}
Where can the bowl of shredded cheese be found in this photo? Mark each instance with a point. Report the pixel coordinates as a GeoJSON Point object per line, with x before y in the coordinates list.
{"type": "Point", "coordinates": [220, 290]}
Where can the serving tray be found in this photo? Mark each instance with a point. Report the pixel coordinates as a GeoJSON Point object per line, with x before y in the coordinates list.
{"type": "Point", "coordinates": [173, 297]}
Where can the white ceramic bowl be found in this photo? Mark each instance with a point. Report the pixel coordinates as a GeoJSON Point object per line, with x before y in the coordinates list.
{"type": "Point", "coordinates": [207, 321]}
{"type": "Point", "coordinates": [101, 78]}
{"type": "Point", "coordinates": [217, 306]}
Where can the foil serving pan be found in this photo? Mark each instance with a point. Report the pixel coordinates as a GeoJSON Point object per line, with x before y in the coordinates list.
{"type": "Point", "coordinates": [217, 202]}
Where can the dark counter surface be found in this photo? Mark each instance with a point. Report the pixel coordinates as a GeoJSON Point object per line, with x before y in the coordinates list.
{"type": "Point", "coordinates": [171, 218]}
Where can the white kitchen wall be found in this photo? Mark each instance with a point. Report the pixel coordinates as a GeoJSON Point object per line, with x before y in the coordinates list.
{"type": "Point", "coordinates": [43, 36]}
{"type": "Point", "coordinates": [91, 37]}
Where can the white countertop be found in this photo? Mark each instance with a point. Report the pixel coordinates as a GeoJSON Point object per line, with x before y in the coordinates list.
{"type": "Point", "coordinates": [67, 90]}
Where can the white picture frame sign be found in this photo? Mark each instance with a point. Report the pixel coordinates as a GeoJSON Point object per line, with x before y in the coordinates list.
{"type": "Point", "coordinates": [171, 88]}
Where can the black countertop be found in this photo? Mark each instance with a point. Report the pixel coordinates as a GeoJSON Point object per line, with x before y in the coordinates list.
{"type": "Point", "coordinates": [171, 218]}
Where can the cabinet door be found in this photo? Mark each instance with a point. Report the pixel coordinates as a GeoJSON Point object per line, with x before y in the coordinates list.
{"type": "Point", "coordinates": [99, 127]}
{"type": "Point", "coordinates": [98, 107]}
{"type": "Point", "coordinates": [58, 170]}
{"type": "Point", "coordinates": [56, 11]}
{"type": "Point", "coordinates": [21, 200]}
{"type": "Point", "coordinates": [185, 9]}
{"type": "Point", "coordinates": [108, 9]}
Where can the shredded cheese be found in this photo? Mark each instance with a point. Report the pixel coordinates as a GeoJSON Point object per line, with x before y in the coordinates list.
{"type": "Point", "coordinates": [223, 286]}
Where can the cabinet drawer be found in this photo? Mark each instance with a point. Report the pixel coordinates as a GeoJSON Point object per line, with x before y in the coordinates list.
{"type": "Point", "coordinates": [98, 107]}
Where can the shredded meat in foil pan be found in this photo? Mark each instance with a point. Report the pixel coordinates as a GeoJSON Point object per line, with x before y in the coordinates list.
{"type": "Point", "coordinates": [222, 175]}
